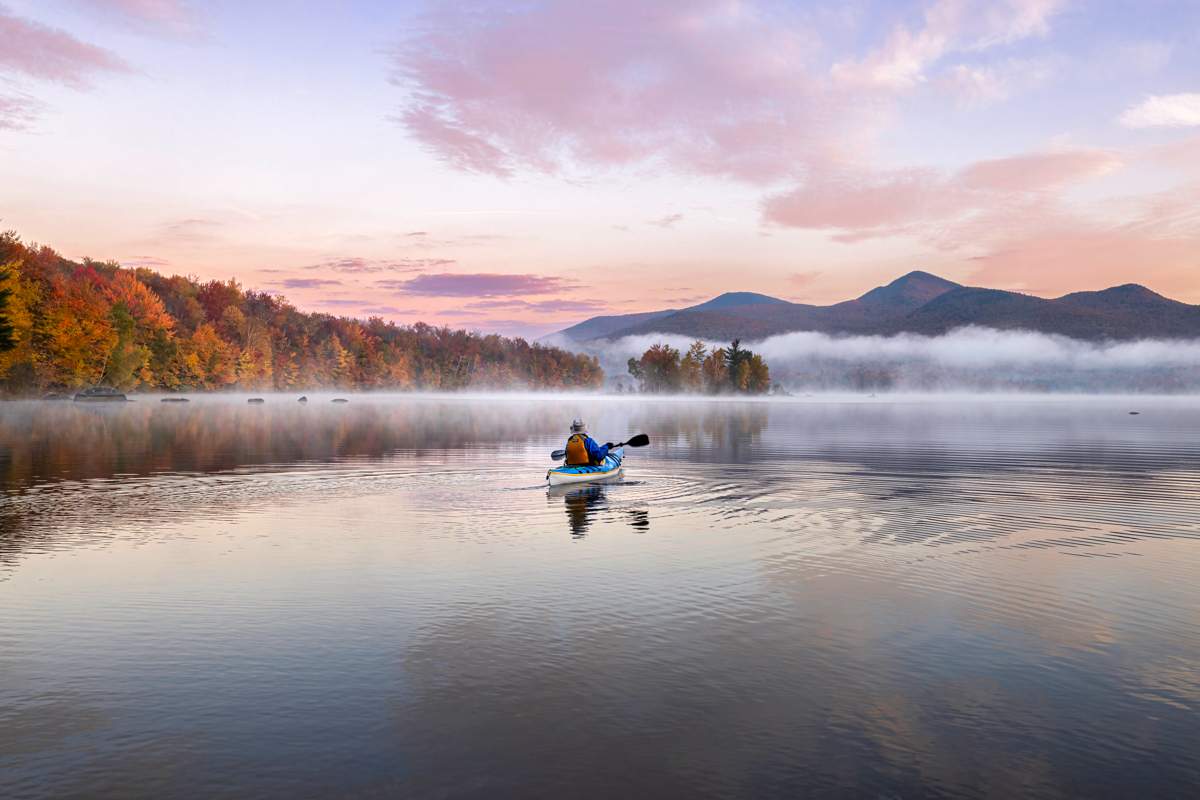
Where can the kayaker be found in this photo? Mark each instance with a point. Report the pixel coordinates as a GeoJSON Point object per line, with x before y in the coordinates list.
{"type": "Point", "coordinates": [582, 449]}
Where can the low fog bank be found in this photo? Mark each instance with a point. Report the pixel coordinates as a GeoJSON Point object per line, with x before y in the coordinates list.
{"type": "Point", "coordinates": [967, 359]}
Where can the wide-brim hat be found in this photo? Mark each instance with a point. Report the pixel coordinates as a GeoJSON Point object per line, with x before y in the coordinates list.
{"type": "Point", "coordinates": [578, 426]}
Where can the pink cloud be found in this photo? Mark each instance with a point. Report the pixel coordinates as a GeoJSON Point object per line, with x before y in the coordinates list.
{"type": "Point", "coordinates": [153, 262]}
{"type": "Point", "coordinates": [666, 222]}
{"type": "Point", "coordinates": [924, 201]}
{"type": "Point", "coordinates": [543, 306]}
{"type": "Point", "coordinates": [448, 284]}
{"type": "Point", "coordinates": [741, 90]}
{"type": "Point", "coordinates": [802, 280]}
{"type": "Point", "coordinates": [309, 283]}
{"type": "Point", "coordinates": [1033, 172]}
{"type": "Point", "coordinates": [511, 327]}
{"type": "Point", "coordinates": [1082, 257]}
{"type": "Point", "coordinates": [858, 202]}
{"type": "Point", "coordinates": [1184, 153]}
{"type": "Point", "coordinates": [53, 55]}
{"type": "Point", "coordinates": [702, 85]}
{"type": "Point", "coordinates": [950, 27]}
{"type": "Point", "coordinates": [18, 112]}
{"type": "Point", "coordinates": [171, 16]}
{"type": "Point", "coordinates": [362, 265]}
{"type": "Point", "coordinates": [370, 307]}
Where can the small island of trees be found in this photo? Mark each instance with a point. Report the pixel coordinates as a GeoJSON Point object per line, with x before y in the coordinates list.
{"type": "Point", "coordinates": [732, 370]}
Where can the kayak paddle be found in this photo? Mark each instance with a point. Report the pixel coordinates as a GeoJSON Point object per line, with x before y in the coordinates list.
{"type": "Point", "coordinates": [641, 440]}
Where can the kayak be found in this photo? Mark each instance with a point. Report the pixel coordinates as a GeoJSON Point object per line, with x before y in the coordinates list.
{"type": "Point", "coordinates": [564, 474]}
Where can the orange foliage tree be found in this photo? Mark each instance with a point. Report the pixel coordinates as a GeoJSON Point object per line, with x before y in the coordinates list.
{"type": "Point", "coordinates": [663, 369]}
{"type": "Point", "coordinates": [76, 324]}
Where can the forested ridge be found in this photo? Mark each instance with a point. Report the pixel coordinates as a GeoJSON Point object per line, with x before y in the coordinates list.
{"type": "Point", "coordinates": [67, 325]}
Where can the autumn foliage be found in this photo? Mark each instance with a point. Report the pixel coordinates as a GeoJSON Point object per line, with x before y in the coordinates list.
{"type": "Point", "coordinates": [66, 325]}
{"type": "Point", "coordinates": [662, 368]}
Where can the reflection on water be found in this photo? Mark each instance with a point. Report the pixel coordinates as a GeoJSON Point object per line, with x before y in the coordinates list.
{"type": "Point", "coordinates": [584, 503]}
{"type": "Point", "coordinates": [935, 598]}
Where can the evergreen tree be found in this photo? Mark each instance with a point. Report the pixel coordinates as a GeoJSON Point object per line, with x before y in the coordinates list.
{"type": "Point", "coordinates": [735, 355]}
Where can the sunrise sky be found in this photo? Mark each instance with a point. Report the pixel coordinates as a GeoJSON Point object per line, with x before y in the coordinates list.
{"type": "Point", "coordinates": [518, 167]}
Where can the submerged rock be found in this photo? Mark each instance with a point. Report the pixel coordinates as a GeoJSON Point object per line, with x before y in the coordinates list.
{"type": "Point", "coordinates": [339, 400]}
{"type": "Point", "coordinates": [174, 400]}
{"type": "Point", "coordinates": [256, 400]}
{"type": "Point", "coordinates": [1134, 412]}
{"type": "Point", "coordinates": [100, 394]}
{"type": "Point", "coordinates": [57, 396]}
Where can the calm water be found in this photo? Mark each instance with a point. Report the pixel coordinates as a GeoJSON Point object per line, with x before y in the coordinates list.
{"type": "Point", "coordinates": [861, 599]}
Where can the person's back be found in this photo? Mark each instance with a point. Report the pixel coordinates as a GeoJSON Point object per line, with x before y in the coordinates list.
{"type": "Point", "coordinates": [582, 450]}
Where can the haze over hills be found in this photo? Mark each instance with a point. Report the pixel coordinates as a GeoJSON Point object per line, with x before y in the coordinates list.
{"type": "Point", "coordinates": [915, 303]}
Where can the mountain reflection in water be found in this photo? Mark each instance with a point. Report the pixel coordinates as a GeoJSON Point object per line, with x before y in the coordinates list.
{"type": "Point", "coordinates": [938, 597]}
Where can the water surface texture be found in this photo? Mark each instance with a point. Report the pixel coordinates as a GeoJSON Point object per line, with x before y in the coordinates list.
{"type": "Point", "coordinates": [866, 598]}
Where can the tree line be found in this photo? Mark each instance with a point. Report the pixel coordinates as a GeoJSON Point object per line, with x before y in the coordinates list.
{"type": "Point", "coordinates": [66, 325]}
{"type": "Point", "coordinates": [664, 369]}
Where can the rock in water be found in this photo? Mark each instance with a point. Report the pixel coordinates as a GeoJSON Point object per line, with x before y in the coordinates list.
{"type": "Point", "coordinates": [340, 400]}
{"type": "Point", "coordinates": [1131, 413]}
{"type": "Point", "coordinates": [100, 394]}
{"type": "Point", "coordinates": [302, 400]}
{"type": "Point", "coordinates": [256, 400]}
{"type": "Point", "coordinates": [57, 396]}
{"type": "Point", "coordinates": [174, 400]}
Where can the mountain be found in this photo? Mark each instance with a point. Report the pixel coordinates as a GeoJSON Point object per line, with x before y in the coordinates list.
{"type": "Point", "coordinates": [1123, 312]}
{"type": "Point", "coordinates": [994, 308]}
{"type": "Point", "coordinates": [899, 298]}
{"type": "Point", "coordinates": [1136, 307]}
{"type": "Point", "coordinates": [598, 327]}
{"type": "Point", "coordinates": [906, 294]}
{"type": "Point", "coordinates": [705, 325]}
{"type": "Point", "coordinates": [917, 303]}
{"type": "Point", "coordinates": [736, 299]}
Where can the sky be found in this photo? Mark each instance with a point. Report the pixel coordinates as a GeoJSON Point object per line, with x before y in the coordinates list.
{"type": "Point", "coordinates": [519, 167]}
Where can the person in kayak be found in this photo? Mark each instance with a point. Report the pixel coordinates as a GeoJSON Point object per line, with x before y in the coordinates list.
{"type": "Point", "coordinates": [582, 450]}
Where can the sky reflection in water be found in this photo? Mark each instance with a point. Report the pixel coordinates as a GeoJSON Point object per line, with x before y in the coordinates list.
{"type": "Point", "coordinates": [926, 598]}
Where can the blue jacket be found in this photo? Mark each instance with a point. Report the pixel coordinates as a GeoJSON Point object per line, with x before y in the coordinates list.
{"type": "Point", "coordinates": [598, 452]}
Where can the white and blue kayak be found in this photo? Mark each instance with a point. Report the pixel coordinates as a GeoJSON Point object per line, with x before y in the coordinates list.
{"type": "Point", "coordinates": [564, 474]}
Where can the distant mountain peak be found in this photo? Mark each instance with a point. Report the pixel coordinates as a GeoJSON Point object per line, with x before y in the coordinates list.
{"type": "Point", "coordinates": [1129, 295]}
{"type": "Point", "coordinates": [912, 290]}
{"type": "Point", "coordinates": [730, 299]}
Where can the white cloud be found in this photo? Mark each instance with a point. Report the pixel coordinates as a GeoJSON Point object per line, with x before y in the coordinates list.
{"type": "Point", "coordinates": [1156, 110]}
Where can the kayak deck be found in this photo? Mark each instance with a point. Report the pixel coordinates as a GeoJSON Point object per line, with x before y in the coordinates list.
{"type": "Point", "coordinates": [564, 474]}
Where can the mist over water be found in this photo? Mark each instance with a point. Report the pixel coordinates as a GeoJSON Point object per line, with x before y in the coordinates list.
{"type": "Point", "coordinates": [967, 359]}
{"type": "Point", "coordinates": [954, 597]}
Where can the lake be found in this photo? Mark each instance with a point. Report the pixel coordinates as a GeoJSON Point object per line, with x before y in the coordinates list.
{"type": "Point", "coordinates": [946, 597]}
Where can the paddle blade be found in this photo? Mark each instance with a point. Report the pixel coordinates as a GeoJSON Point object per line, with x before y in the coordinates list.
{"type": "Point", "coordinates": [558, 455]}
{"type": "Point", "coordinates": [641, 440]}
